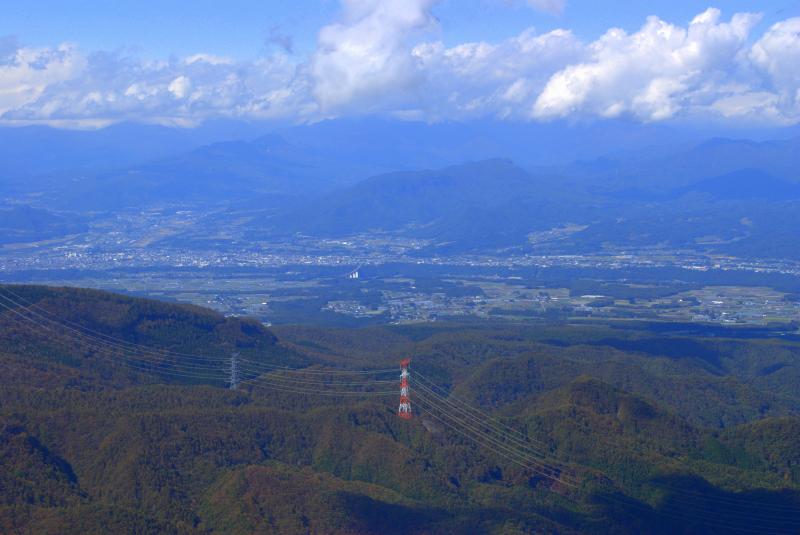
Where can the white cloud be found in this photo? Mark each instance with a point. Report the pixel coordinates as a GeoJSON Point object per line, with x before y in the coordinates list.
{"type": "Point", "coordinates": [28, 72]}
{"type": "Point", "coordinates": [653, 73]}
{"type": "Point", "coordinates": [755, 105]}
{"type": "Point", "coordinates": [211, 59]}
{"type": "Point", "coordinates": [379, 57]}
{"type": "Point", "coordinates": [180, 87]}
{"type": "Point", "coordinates": [777, 55]}
{"type": "Point", "coordinates": [365, 57]}
{"type": "Point", "coordinates": [478, 79]}
{"type": "Point", "coordinates": [109, 88]}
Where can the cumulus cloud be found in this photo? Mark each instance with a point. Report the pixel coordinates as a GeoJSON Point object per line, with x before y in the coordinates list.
{"type": "Point", "coordinates": [64, 86]}
{"type": "Point", "coordinates": [653, 73]}
{"type": "Point", "coordinates": [26, 73]}
{"type": "Point", "coordinates": [381, 56]}
{"type": "Point", "coordinates": [476, 79]}
{"type": "Point", "coordinates": [777, 55]}
{"type": "Point", "coordinates": [364, 58]}
{"type": "Point", "coordinates": [180, 87]}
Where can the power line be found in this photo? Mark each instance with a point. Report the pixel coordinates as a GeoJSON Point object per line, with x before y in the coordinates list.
{"type": "Point", "coordinates": [695, 514]}
{"type": "Point", "coordinates": [513, 457]}
{"type": "Point", "coordinates": [469, 413]}
{"type": "Point", "coordinates": [477, 410]}
{"type": "Point", "coordinates": [512, 444]}
{"type": "Point", "coordinates": [109, 339]}
{"type": "Point", "coordinates": [501, 442]}
{"type": "Point", "coordinates": [145, 366]}
{"type": "Point", "coordinates": [498, 446]}
{"type": "Point", "coordinates": [89, 339]}
{"type": "Point", "coordinates": [472, 413]}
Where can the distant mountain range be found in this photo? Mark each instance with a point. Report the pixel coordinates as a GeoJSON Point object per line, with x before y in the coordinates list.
{"type": "Point", "coordinates": [746, 184]}
{"type": "Point", "coordinates": [495, 204]}
{"type": "Point", "coordinates": [39, 150]}
{"type": "Point", "coordinates": [681, 168]}
{"type": "Point", "coordinates": [222, 172]}
{"type": "Point", "coordinates": [484, 204]}
{"type": "Point", "coordinates": [340, 178]}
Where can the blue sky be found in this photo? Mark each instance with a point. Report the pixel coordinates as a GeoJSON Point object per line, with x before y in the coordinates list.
{"type": "Point", "coordinates": [242, 28]}
{"type": "Point", "coordinates": [89, 62]}
{"type": "Point", "coordinates": [157, 29]}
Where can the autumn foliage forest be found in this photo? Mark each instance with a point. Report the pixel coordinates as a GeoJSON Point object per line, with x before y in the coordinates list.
{"type": "Point", "coordinates": [641, 430]}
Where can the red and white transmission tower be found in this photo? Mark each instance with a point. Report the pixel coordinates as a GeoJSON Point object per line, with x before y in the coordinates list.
{"type": "Point", "coordinates": [404, 411]}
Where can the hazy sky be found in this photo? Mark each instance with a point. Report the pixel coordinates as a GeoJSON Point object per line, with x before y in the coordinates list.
{"type": "Point", "coordinates": [95, 62]}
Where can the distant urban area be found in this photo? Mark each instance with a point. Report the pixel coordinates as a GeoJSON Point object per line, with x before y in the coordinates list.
{"type": "Point", "coordinates": [377, 278]}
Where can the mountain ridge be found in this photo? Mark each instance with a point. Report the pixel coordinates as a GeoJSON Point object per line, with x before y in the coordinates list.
{"type": "Point", "coordinates": [152, 453]}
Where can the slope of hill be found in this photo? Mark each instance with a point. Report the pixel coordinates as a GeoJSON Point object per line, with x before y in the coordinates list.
{"type": "Point", "coordinates": [745, 184]}
{"type": "Point", "coordinates": [683, 166]}
{"type": "Point", "coordinates": [215, 174]}
{"type": "Point", "coordinates": [89, 445]}
{"type": "Point", "coordinates": [20, 224]}
{"type": "Point", "coordinates": [31, 151]}
{"type": "Point", "coordinates": [494, 205]}
{"type": "Point", "coordinates": [491, 203]}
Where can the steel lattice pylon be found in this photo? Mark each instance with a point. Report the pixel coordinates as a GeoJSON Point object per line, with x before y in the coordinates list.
{"type": "Point", "coordinates": [404, 410]}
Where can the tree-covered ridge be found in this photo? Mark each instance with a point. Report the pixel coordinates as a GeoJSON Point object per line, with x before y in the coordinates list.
{"type": "Point", "coordinates": [650, 432]}
{"type": "Point", "coordinates": [100, 328]}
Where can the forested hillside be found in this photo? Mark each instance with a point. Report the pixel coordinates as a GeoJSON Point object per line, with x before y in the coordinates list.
{"type": "Point", "coordinates": [117, 415]}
